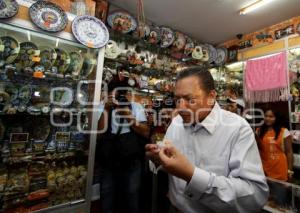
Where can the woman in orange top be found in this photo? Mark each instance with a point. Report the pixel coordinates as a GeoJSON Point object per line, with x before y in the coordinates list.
{"type": "Point", "coordinates": [275, 146]}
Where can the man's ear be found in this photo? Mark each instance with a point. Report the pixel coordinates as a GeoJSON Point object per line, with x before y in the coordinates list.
{"type": "Point", "coordinates": [212, 97]}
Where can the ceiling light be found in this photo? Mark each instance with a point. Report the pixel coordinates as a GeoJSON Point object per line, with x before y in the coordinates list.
{"type": "Point", "coordinates": [255, 5]}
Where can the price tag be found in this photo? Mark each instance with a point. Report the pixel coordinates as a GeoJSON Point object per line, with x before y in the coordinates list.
{"type": "Point", "coordinates": [36, 59]}
{"type": "Point", "coordinates": [38, 74]}
{"type": "Point", "coordinates": [2, 48]}
{"type": "Point", "coordinates": [90, 44]}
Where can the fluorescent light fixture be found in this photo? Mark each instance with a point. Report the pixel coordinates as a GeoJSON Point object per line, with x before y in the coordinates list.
{"type": "Point", "coordinates": [28, 35]}
{"type": "Point", "coordinates": [254, 6]}
{"type": "Point", "coordinates": [57, 42]}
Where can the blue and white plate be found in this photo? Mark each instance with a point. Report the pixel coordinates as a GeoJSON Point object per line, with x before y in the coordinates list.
{"type": "Point", "coordinates": [90, 31]}
{"type": "Point", "coordinates": [48, 16]}
{"type": "Point", "coordinates": [8, 8]}
{"type": "Point", "coordinates": [213, 54]}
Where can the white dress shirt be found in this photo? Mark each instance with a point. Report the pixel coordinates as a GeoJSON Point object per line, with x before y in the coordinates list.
{"type": "Point", "coordinates": [228, 175]}
{"type": "Point", "coordinates": [138, 111]}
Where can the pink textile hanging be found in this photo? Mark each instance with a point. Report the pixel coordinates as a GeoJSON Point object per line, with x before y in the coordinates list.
{"type": "Point", "coordinates": [266, 79]}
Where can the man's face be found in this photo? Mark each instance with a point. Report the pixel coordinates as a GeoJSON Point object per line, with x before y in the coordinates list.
{"type": "Point", "coordinates": [193, 103]}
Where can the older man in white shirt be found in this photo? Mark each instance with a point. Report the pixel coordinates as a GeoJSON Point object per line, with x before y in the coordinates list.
{"type": "Point", "coordinates": [210, 154]}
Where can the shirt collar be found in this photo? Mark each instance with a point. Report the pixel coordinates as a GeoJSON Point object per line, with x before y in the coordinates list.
{"type": "Point", "coordinates": [211, 121]}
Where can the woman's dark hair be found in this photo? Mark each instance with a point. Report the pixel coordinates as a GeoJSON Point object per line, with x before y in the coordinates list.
{"type": "Point", "coordinates": [205, 78]}
{"type": "Point", "coordinates": [276, 126]}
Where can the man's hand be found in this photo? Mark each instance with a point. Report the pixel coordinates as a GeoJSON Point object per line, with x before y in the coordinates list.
{"type": "Point", "coordinates": [152, 152]}
{"type": "Point", "coordinates": [175, 163]}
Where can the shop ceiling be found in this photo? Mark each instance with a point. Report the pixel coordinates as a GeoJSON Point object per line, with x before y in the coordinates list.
{"type": "Point", "coordinates": [213, 21]}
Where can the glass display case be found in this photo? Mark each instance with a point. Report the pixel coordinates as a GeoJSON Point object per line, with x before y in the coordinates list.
{"type": "Point", "coordinates": [47, 151]}
{"type": "Point", "coordinates": [284, 197]}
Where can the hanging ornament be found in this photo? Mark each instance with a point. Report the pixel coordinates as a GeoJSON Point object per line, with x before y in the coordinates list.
{"type": "Point", "coordinates": [142, 30]}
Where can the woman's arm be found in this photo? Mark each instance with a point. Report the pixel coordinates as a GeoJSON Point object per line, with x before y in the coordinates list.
{"type": "Point", "coordinates": [289, 151]}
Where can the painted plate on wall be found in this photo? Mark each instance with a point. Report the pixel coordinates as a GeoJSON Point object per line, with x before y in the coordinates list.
{"type": "Point", "coordinates": [90, 31]}
{"type": "Point", "coordinates": [221, 56]}
{"type": "Point", "coordinates": [121, 21]}
{"type": "Point", "coordinates": [11, 50]}
{"type": "Point", "coordinates": [8, 8]}
{"type": "Point", "coordinates": [205, 52]}
{"type": "Point", "coordinates": [212, 53]}
{"type": "Point", "coordinates": [167, 37]}
{"type": "Point", "coordinates": [48, 16]}
{"type": "Point", "coordinates": [154, 35]}
{"type": "Point", "coordinates": [189, 46]}
{"type": "Point", "coordinates": [179, 42]}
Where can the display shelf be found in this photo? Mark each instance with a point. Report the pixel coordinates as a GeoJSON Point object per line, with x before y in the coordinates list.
{"type": "Point", "coordinates": [143, 70]}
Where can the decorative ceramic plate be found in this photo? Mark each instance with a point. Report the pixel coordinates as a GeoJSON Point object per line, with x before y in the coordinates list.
{"type": "Point", "coordinates": [62, 61]}
{"type": "Point", "coordinates": [112, 50]}
{"type": "Point", "coordinates": [179, 42]}
{"type": "Point", "coordinates": [121, 21]}
{"type": "Point", "coordinates": [8, 8]}
{"type": "Point", "coordinates": [76, 64]}
{"type": "Point", "coordinates": [48, 16]}
{"type": "Point", "coordinates": [90, 31]}
{"type": "Point", "coordinates": [27, 52]}
{"type": "Point", "coordinates": [206, 55]}
{"type": "Point", "coordinates": [189, 46]}
{"type": "Point", "coordinates": [212, 53]}
{"type": "Point", "coordinates": [154, 35]}
{"type": "Point", "coordinates": [47, 57]}
{"type": "Point", "coordinates": [89, 62]}
{"type": "Point", "coordinates": [197, 53]}
{"type": "Point", "coordinates": [167, 37]}
{"type": "Point", "coordinates": [11, 50]}
{"type": "Point", "coordinates": [222, 56]}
